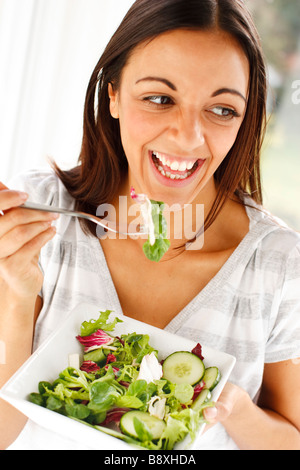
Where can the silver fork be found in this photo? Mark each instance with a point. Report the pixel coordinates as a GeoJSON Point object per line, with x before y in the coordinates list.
{"type": "Point", "coordinates": [82, 215]}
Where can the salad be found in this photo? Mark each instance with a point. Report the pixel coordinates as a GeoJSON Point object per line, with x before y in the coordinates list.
{"type": "Point", "coordinates": [118, 386]}
{"type": "Point", "coordinates": [156, 226]}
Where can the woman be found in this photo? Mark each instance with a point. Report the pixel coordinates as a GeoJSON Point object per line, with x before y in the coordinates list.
{"type": "Point", "coordinates": [180, 116]}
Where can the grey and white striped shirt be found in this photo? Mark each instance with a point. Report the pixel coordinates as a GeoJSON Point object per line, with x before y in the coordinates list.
{"type": "Point", "coordinates": [250, 309]}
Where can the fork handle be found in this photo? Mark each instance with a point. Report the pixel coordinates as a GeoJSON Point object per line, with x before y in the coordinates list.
{"type": "Point", "coordinates": [45, 208]}
{"type": "Point", "coordinates": [58, 210]}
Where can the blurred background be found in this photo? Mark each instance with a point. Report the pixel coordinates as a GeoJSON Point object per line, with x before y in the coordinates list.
{"type": "Point", "coordinates": [278, 22]}
{"type": "Point", "coordinates": [48, 49]}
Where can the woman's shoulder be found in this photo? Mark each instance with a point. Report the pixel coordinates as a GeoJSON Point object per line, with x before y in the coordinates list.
{"type": "Point", "coordinates": [278, 249]}
{"type": "Point", "coordinates": [43, 186]}
{"type": "Point", "coordinates": [282, 248]}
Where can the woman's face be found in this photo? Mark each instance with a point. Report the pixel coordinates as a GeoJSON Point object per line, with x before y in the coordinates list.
{"type": "Point", "coordinates": [180, 104]}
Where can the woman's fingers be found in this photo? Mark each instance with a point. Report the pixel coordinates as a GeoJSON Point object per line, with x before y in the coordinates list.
{"type": "Point", "coordinates": [9, 198]}
{"type": "Point", "coordinates": [29, 252]}
{"type": "Point", "coordinates": [19, 217]}
{"type": "Point", "coordinates": [20, 271]}
{"type": "Point", "coordinates": [22, 235]}
{"type": "Point", "coordinates": [226, 404]}
{"type": "Point", "coordinates": [16, 238]}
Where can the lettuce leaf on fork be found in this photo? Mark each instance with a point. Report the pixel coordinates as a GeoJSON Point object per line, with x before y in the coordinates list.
{"type": "Point", "coordinates": [156, 226]}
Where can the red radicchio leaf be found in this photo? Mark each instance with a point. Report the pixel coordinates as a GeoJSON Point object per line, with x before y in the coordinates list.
{"type": "Point", "coordinates": [121, 341]}
{"type": "Point", "coordinates": [197, 389]}
{"type": "Point", "coordinates": [133, 193]}
{"type": "Point", "coordinates": [198, 351]}
{"type": "Point", "coordinates": [94, 341]}
{"type": "Point", "coordinates": [139, 198]}
{"type": "Point", "coordinates": [125, 384]}
{"type": "Point", "coordinates": [90, 367]}
{"type": "Point", "coordinates": [110, 358]}
{"type": "Point", "coordinates": [114, 415]}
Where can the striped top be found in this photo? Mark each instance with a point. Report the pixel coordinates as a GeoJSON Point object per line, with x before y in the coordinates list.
{"type": "Point", "coordinates": [250, 309]}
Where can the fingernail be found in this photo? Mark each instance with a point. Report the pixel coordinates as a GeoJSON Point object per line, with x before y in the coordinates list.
{"type": "Point", "coordinates": [210, 413]}
{"type": "Point", "coordinates": [23, 196]}
{"type": "Point", "coordinates": [54, 216]}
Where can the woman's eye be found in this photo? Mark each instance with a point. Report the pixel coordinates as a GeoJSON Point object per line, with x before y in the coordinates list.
{"type": "Point", "coordinates": [159, 100]}
{"type": "Point", "coordinates": [224, 113]}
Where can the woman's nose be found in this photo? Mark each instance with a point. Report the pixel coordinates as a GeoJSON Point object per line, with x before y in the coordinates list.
{"type": "Point", "coordinates": [186, 130]}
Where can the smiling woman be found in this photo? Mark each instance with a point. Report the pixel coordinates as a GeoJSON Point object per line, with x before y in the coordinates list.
{"type": "Point", "coordinates": [239, 172]}
{"type": "Point", "coordinates": [175, 108]}
{"type": "Point", "coordinates": [172, 122]}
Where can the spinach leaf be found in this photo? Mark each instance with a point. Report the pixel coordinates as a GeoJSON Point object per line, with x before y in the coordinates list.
{"type": "Point", "coordinates": [102, 397]}
{"type": "Point", "coordinates": [37, 399]}
{"type": "Point", "coordinates": [54, 403]}
{"type": "Point", "coordinates": [142, 430]}
{"type": "Point", "coordinates": [77, 411]}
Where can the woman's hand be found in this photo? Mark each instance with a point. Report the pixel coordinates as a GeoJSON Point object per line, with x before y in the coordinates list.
{"type": "Point", "coordinates": [271, 425]}
{"type": "Point", "coordinates": [23, 233]}
{"type": "Point", "coordinates": [229, 403]}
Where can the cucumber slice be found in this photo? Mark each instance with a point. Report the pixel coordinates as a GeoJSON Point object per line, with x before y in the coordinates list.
{"type": "Point", "coordinates": [156, 426]}
{"type": "Point", "coordinates": [211, 377]}
{"type": "Point", "coordinates": [201, 399]}
{"type": "Point", "coordinates": [183, 367]}
{"type": "Point", "coordinates": [97, 355]}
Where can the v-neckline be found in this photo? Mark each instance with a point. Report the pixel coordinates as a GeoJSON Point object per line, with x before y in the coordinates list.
{"type": "Point", "coordinates": [258, 228]}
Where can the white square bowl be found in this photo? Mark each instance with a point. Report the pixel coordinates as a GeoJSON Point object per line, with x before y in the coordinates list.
{"type": "Point", "coordinates": [51, 358]}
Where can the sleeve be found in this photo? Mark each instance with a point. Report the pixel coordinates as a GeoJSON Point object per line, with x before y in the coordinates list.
{"type": "Point", "coordinates": [40, 185]}
{"type": "Point", "coordinates": [284, 330]}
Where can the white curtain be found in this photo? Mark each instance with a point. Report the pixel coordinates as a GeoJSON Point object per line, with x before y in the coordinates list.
{"type": "Point", "coordinates": [48, 49]}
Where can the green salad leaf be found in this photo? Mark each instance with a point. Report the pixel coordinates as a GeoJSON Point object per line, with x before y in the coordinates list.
{"type": "Point", "coordinates": [103, 396]}
{"type": "Point", "coordinates": [175, 431]}
{"type": "Point", "coordinates": [89, 327]}
{"type": "Point", "coordinates": [156, 225]}
{"type": "Point", "coordinates": [142, 430]}
{"type": "Point", "coordinates": [156, 251]}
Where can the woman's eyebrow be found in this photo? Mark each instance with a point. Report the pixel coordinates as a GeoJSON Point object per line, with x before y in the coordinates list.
{"type": "Point", "coordinates": [221, 91]}
{"type": "Point", "coordinates": [173, 87]}
{"type": "Point", "coordinates": [158, 79]}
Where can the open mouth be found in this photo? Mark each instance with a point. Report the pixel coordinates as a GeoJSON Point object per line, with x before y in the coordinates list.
{"type": "Point", "coordinates": [174, 169]}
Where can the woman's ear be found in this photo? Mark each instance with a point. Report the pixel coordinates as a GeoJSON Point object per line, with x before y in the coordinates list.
{"type": "Point", "coordinates": [113, 105]}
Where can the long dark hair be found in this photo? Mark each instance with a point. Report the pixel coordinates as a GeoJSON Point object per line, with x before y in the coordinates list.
{"type": "Point", "coordinates": [102, 163]}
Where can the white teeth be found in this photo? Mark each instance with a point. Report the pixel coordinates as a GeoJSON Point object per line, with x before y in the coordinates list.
{"type": "Point", "coordinates": [175, 165]}
{"type": "Point", "coordinates": [182, 166]}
